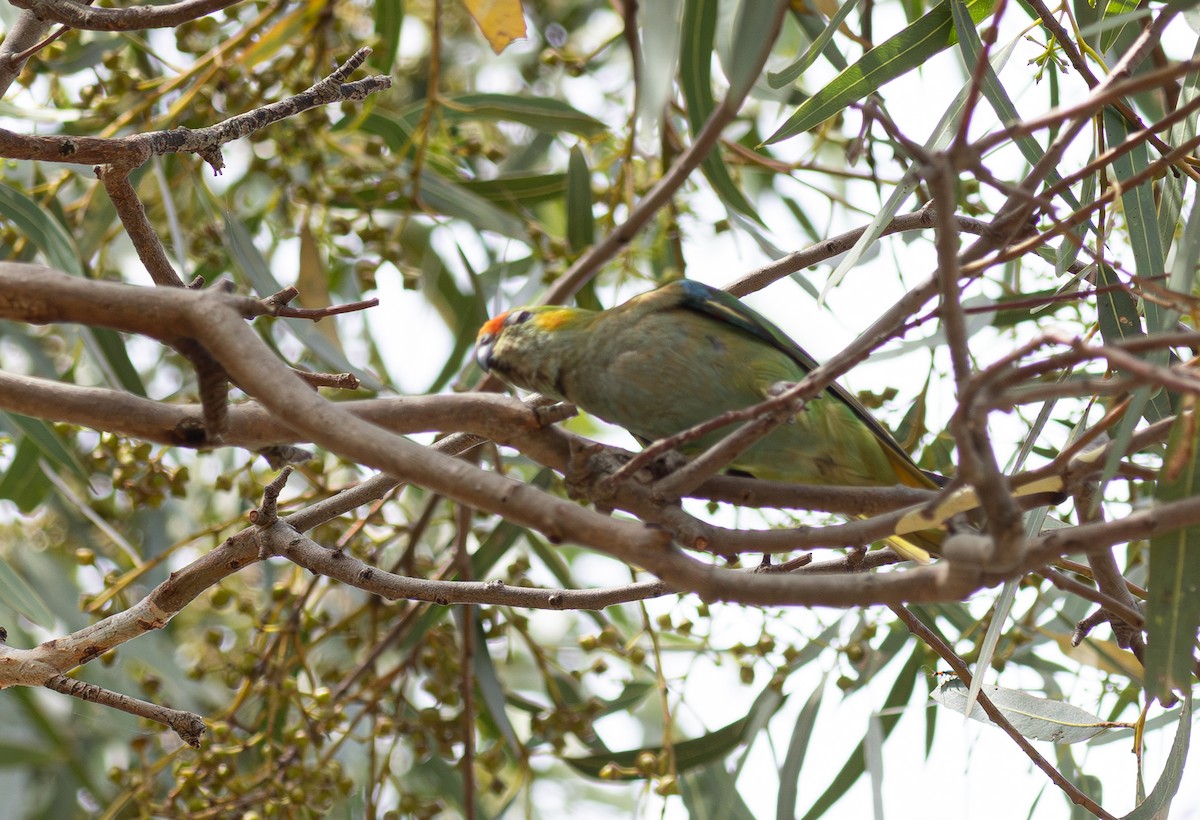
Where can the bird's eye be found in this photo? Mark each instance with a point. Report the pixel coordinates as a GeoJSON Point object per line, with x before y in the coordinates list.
{"type": "Point", "coordinates": [518, 317]}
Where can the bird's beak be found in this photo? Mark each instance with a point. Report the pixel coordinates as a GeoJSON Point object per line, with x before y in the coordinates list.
{"type": "Point", "coordinates": [483, 352]}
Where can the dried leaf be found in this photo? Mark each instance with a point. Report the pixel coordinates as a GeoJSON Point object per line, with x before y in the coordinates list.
{"type": "Point", "coordinates": [501, 21]}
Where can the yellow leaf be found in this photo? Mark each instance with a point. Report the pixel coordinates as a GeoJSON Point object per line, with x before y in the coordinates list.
{"type": "Point", "coordinates": [313, 283]}
{"type": "Point", "coordinates": [501, 21]}
{"type": "Point", "coordinates": [1101, 654]}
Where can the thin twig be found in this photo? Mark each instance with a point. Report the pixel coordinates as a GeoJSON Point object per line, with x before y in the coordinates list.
{"type": "Point", "coordinates": [586, 266]}
{"type": "Point", "coordinates": [934, 642]}
{"type": "Point", "coordinates": [92, 18]}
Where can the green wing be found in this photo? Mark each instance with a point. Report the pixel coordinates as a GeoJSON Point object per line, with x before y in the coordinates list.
{"type": "Point", "coordinates": [724, 307]}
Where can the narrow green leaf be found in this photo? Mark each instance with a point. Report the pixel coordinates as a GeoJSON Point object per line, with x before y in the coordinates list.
{"type": "Point", "coordinates": [813, 25]}
{"type": "Point", "coordinates": [45, 232]}
{"type": "Point", "coordinates": [111, 347]}
{"type": "Point", "coordinates": [695, 75]}
{"type": "Point", "coordinates": [389, 17]}
{"type": "Point", "coordinates": [632, 696]}
{"type": "Point", "coordinates": [1173, 185]}
{"type": "Point", "coordinates": [23, 482]}
{"type": "Point", "coordinates": [896, 56]}
{"type": "Point", "coordinates": [539, 113]}
{"type": "Point", "coordinates": [581, 226]}
{"type": "Point", "coordinates": [793, 761]}
{"type": "Point", "coordinates": [500, 205]}
{"type": "Point", "coordinates": [778, 79]}
{"type": "Point", "coordinates": [20, 597]}
{"type": "Point", "coordinates": [689, 754]}
{"type": "Point", "coordinates": [1141, 215]}
{"type": "Point", "coordinates": [660, 28]}
{"type": "Point", "coordinates": [445, 197]}
{"type": "Point", "coordinates": [1068, 250]}
{"type": "Point", "coordinates": [502, 538]}
{"type": "Point", "coordinates": [491, 691]}
{"type": "Point", "coordinates": [464, 312]}
{"type": "Point", "coordinates": [519, 191]}
{"type": "Point", "coordinates": [1121, 22]}
{"type": "Point", "coordinates": [997, 626]}
{"type": "Point", "coordinates": [752, 39]}
{"type": "Point", "coordinates": [1173, 608]}
{"type": "Point", "coordinates": [710, 793]}
{"type": "Point", "coordinates": [1117, 313]}
{"type": "Point", "coordinates": [23, 754]}
{"type": "Point", "coordinates": [855, 765]}
{"type": "Point", "coordinates": [49, 444]}
{"type": "Point", "coordinates": [1187, 257]}
{"type": "Point", "coordinates": [1119, 321]}
{"type": "Point", "coordinates": [761, 711]}
{"type": "Point", "coordinates": [396, 132]}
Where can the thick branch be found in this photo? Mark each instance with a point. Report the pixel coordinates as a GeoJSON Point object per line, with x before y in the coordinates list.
{"type": "Point", "coordinates": [23, 35]}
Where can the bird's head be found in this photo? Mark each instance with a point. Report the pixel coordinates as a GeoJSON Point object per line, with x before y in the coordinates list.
{"type": "Point", "coordinates": [527, 346]}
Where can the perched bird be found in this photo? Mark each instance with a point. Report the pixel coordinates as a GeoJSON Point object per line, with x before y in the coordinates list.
{"type": "Point", "coordinates": [677, 356]}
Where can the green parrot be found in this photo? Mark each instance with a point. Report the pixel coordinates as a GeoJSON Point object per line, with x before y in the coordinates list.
{"type": "Point", "coordinates": [677, 356]}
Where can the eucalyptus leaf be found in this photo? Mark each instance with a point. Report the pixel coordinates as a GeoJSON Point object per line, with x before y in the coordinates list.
{"type": "Point", "coordinates": [1033, 717]}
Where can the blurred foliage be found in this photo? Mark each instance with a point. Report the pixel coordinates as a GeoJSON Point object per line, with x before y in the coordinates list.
{"type": "Point", "coordinates": [468, 185]}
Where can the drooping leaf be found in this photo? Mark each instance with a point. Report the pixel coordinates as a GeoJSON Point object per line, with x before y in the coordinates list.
{"type": "Point", "coordinates": [389, 17]}
{"type": "Point", "coordinates": [45, 232]}
{"type": "Point", "coordinates": [855, 765]}
{"type": "Point", "coordinates": [753, 38]}
{"type": "Point", "coordinates": [711, 793]}
{"type": "Point", "coordinates": [519, 191]}
{"type": "Point", "coordinates": [581, 228]}
{"type": "Point", "coordinates": [49, 443]}
{"type": "Point", "coordinates": [695, 75]}
{"type": "Point", "coordinates": [793, 761]}
{"type": "Point", "coordinates": [23, 482]}
{"type": "Point", "coordinates": [17, 594]}
{"type": "Point", "coordinates": [1173, 606]}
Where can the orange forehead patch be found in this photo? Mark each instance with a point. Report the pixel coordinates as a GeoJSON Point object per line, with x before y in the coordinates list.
{"type": "Point", "coordinates": [492, 326]}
